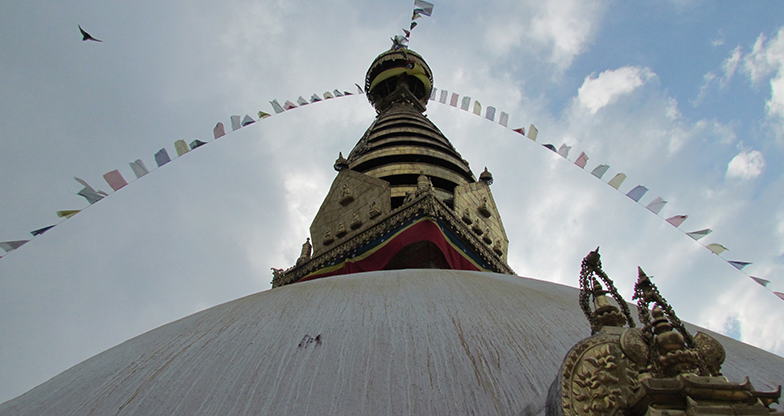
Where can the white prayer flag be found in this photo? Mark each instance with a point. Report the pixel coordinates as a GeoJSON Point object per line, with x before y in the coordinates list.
{"type": "Point", "coordinates": [466, 102]}
{"type": "Point", "coordinates": [504, 119]}
{"type": "Point", "coordinates": [699, 234]}
{"type": "Point", "coordinates": [338, 93]}
{"type": "Point", "coordinates": [422, 7]}
{"type": "Point", "coordinates": [564, 150]}
{"type": "Point", "coordinates": [656, 205]}
{"type": "Point", "coordinates": [235, 123]}
{"type": "Point", "coordinates": [301, 101]}
{"type": "Point", "coordinates": [9, 246]}
{"type": "Point", "coordinates": [138, 168]}
{"type": "Point", "coordinates": [315, 98]}
{"type": "Point", "coordinates": [444, 94]}
{"type": "Point", "coordinates": [433, 94]}
{"type": "Point", "coordinates": [532, 132]}
{"type": "Point", "coordinates": [677, 220]}
{"type": "Point", "coordinates": [181, 147]}
{"type": "Point", "coordinates": [276, 106]}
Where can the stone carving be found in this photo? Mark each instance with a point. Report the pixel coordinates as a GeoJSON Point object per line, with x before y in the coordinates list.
{"type": "Point", "coordinates": [467, 216]}
{"type": "Point", "coordinates": [304, 254]}
{"type": "Point", "coordinates": [356, 220]}
{"type": "Point", "coordinates": [483, 208]}
{"type": "Point", "coordinates": [374, 211]}
{"type": "Point", "coordinates": [328, 239]}
{"type": "Point", "coordinates": [346, 196]}
{"type": "Point", "coordinates": [477, 229]}
{"type": "Point", "coordinates": [277, 274]}
{"type": "Point", "coordinates": [341, 163]}
{"type": "Point", "coordinates": [486, 238]}
{"type": "Point", "coordinates": [341, 230]}
{"type": "Point", "coordinates": [497, 247]}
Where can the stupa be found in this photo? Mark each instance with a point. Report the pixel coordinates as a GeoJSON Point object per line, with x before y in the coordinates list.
{"type": "Point", "coordinates": [402, 302]}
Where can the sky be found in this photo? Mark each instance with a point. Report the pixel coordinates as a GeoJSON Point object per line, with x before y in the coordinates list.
{"type": "Point", "coordinates": [684, 97]}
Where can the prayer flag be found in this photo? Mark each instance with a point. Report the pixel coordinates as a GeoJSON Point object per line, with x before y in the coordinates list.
{"type": "Point", "coordinates": [68, 213]}
{"type": "Point", "coordinates": [600, 170]}
{"type": "Point", "coordinates": [616, 181]}
{"type": "Point", "coordinates": [504, 119]}
{"type": "Point", "coordinates": [276, 106]}
{"type": "Point", "coordinates": [739, 264]}
{"type": "Point", "coordinates": [247, 120]}
{"type": "Point", "coordinates": [288, 105]}
{"type": "Point", "coordinates": [410, 28]}
{"type": "Point", "coordinates": [466, 102]}
{"type": "Point", "coordinates": [453, 100]}
{"type": "Point", "coordinates": [677, 220]}
{"type": "Point", "coordinates": [328, 95]}
{"type": "Point", "coordinates": [12, 245]}
{"type": "Point", "coordinates": [359, 89]}
{"type": "Point", "coordinates": [41, 230]}
{"type": "Point", "coordinates": [433, 94]}
{"type": "Point", "coordinates": [551, 147]}
{"type": "Point", "coordinates": [219, 131]}
{"type": "Point", "coordinates": [637, 192]}
{"type": "Point", "coordinates": [301, 101]}
{"type": "Point", "coordinates": [716, 248]}
{"type": "Point", "coordinates": [581, 160]}
{"type": "Point", "coordinates": [444, 94]}
{"type": "Point", "coordinates": [138, 168]}
{"type": "Point", "coordinates": [235, 123]}
{"type": "Point", "coordinates": [779, 294]}
{"type": "Point", "coordinates": [338, 93]}
{"type": "Point", "coordinates": [91, 195]}
{"type": "Point", "coordinates": [181, 147]}
{"type": "Point", "coordinates": [490, 113]}
{"type": "Point", "coordinates": [162, 157]}
{"type": "Point", "coordinates": [477, 108]}
{"type": "Point", "coordinates": [263, 115]}
{"type": "Point", "coordinates": [521, 130]}
{"type": "Point", "coordinates": [532, 132]}
{"type": "Point", "coordinates": [423, 7]}
{"type": "Point", "coordinates": [699, 234]}
{"type": "Point", "coordinates": [564, 150]}
{"type": "Point", "coordinates": [314, 98]}
{"type": "Point", "coordinates": [656, 205]}
{"type": "Point", "coordinates": [762, 282]}
{"type": "Point", "coordinates": [115, 179]}
{"type": "Point", "coordinates": [196, 143]}
{"type": "Point", "coordinates": [415, 16]}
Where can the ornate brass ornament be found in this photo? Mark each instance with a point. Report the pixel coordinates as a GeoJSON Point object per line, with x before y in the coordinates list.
{"type": "Point", "coordinates": [658, 370]}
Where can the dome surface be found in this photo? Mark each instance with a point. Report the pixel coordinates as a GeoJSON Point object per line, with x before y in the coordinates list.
{"type": "Point", "coordinates": [427, 342]}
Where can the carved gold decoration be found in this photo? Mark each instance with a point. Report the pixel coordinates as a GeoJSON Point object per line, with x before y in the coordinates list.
{"type": "Point", "coordinates": [604, 314]}
{"type": "Point", "coordinates": [711, 352]}
{"type": "Point", "coordinates": [634, 347]}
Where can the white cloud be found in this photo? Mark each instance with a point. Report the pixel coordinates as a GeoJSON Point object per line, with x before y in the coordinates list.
{"type": "Point", "coordinates": [598, 92]}
{"type": "Point", "coordinates": [730, 65]}
{"type": "Point", "coordinates": [767, 59]}
{"type": "Point", "coordinates": [748, 164]}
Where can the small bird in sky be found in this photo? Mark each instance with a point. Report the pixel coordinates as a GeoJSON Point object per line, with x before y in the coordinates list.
{"type": "Point", "coordinates": [86, 36]}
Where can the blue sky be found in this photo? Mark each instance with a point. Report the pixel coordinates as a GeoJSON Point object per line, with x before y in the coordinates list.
{"type": "Point", "coordinates": [685, 97]}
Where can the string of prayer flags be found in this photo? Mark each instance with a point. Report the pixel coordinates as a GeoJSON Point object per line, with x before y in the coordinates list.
{"type": "Point", "coordinates": [138, 168]}
{"type": "Point", "coordinates": [532, 132]}
{"type": "Point", "coordinates": [677, 220]}
{"type": "Point", "coordinates": [490, 113]}
{"type": "Point", "coordinates": [219, 130]}
{"type": "Point", "coordinates": [68, 213]}
{"type": "Point", "coordinates": [115, 179]}
{"type": "Point", "coordinates": [276, 106]}
{"type": "Point", "coordinates": [359, 89]}
{"type": "Point", "coordinates": [181, 147]}
{"type": "Point", "coordinates": [444, 94]}
{"type": "Point", "coordinates": [656, 205]}
{"type": "Point", "coordinates": [288, 105]}
{"type": "Point", "coordinates": [521, 130]}
{"type": "Point", "coordinates": [301, 101]}
{"type": "Point", "coordinates": [162, 157]}
{"type": "Point", "coordinates": [564, 150]}
{"type": "Point", "coordinates": [761, 282]}
{"type": "Point", "coordinates": [581, 160]}
{"type": "Point", "coordinates": [477, 108]}
{"type": "Point", "coordinates": [739, 264]}
{"type": "Point", "coordinates": [315, 98]}
{"type": "Point", "coordinates": [466, 102]}
{"type": "Point", "coordinates": [263, 115]}
{"type": "Point", "coordinates": [600, 170]}
{"type": "Point", "coordinates": [328, 95]}
{"type": "Point", "coordinates": [716, 248]}
{"type": "Point", "coordinates": [235, 123]}
{"type": "Point", "coordinates": [699, 234]}
{"type": "Point", "coordinates": [196, 143]}
{"type": "Point", "coordinates": [91, 195]}
{"type": "Point", "coordinates": [247, 120]}
{"type": "Point", "coordinates": [617, 180]}
{"type": "Point", "coordinates": [453, 100]}
{"type": "Point", "coordinates": [9, 246]}
{"type": "Point", "coordinates": [40, 231]}
{"type": "Point", "coordinates": [503, 119]}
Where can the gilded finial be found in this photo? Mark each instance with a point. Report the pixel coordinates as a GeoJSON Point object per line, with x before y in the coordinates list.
{"type": "Point", "coordinates": [604, 312]}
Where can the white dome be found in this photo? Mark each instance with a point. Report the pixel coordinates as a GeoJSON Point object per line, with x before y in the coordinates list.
{"type": "Point", "coordinates": [425, 342]}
